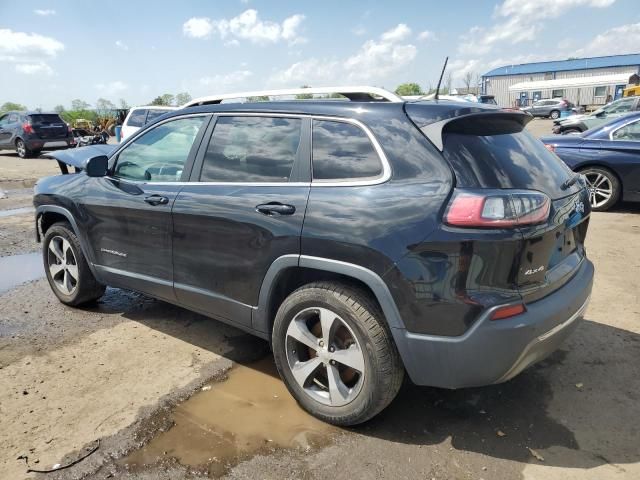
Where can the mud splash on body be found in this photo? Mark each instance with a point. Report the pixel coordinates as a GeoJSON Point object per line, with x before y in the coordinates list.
{"type": "Point", "coordinates": [249, 413]}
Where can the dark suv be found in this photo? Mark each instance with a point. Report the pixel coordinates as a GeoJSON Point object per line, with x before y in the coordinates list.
{"type": "Point", "coordinates": [363, 238]}
{"type": "Point", "coordinates": [31, 132]}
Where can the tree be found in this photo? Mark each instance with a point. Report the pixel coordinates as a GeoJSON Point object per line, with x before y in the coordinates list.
{"type": "Point", "coordinates": [165, 100]}
{"type": "Point", "coordinates": [78, 104]}
{"type": "Point", "coordinates": [58, 109]}
{"type": "Point", "coordinates": [304, 96]}
{"type": "Point", "coordinates": [468, 80]}
{"type": "Point", "coordinates": [7, 106]}
{"type": "Point", "coordinates": [448, 83]}
{"type": "Point", "coordinates": [409, 89]}
{"type": "Point", "coordinates": [123, 104]}
{"type": "Point", "coordinates": [182, 98]}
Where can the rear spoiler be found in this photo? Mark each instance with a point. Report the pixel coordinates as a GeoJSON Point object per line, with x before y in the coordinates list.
{"type": "Point", "coordinates": [77, 157]}
{"type": "Point", "coordinates": [483, 123]}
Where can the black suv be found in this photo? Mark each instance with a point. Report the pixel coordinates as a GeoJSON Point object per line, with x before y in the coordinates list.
{"type": "Point", "coordinates": [31, 132]}
{"type": "Point", "coordinates": [364, 238]}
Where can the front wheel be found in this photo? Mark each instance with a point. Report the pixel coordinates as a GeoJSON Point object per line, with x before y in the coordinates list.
{"type": "Point", "coordinates": [67, 269]}
{"type": "Point", "coordinates": [571, 131]}
{"type": "Point", "coordinates": [335, 353]}
{"type": "Point", "coordinates": [604, 188]}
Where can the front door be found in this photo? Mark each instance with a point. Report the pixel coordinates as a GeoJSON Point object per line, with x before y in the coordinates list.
{"type": "Point", "coordinates": [130, 228]}
{"type": "Point", "coordinates": [243, 209]}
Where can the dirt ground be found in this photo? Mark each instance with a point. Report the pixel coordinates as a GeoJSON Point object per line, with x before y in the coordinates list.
{"type": "Point", "coordinates": [147, 380]}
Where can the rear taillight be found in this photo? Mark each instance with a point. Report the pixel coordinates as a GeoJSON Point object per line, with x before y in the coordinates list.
{"type": "Point", "coordinates": [551, 148]}
{"type": "Point", "coordinates": [27, 128]}
{"type": "Point", "coordinates": [497, 208]}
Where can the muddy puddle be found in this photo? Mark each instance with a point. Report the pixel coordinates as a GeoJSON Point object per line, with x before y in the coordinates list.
{"type": "Point", "coordinates": [249, 413]}
{"type": "Point", "coordinates": [18, 269]}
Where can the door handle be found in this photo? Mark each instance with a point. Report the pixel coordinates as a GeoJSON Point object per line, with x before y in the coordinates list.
{"type": "Point", "coordinates": [156, 200]}
{"type": "Point", "coordinates": [274, 208]}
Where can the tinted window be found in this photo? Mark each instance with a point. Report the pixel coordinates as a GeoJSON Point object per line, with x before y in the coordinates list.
{"type": "Point", "coordinates": [628, 132]}
{"type": "Point", "coordinates": [45, 119]}
{"type": "Point", "coordinates": [153, 114]}
{"type": "Point", "coordinates": [159, 154]}
{"type": "Point", "coordinates": [13, 118]}
{"type": "Point", "coordinates": [516, 160]}
{"type": "Point", "coordinates": [343, 151]}
{"type": "Point", "coordinates": [251, 149]}
{"type": "Point", "coordinates": [137, 118]}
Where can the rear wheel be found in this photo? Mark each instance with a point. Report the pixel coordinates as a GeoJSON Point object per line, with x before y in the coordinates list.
{"type": "Point", "coordinates": [604, 188]}
{"type": "Point", "coordinates": [555, 114]}
{"type": "Point", "coordinates": [21, 149]}
{"type": "Point", "coordinates": [335, 353]}
{"type": "Point", "coordinates": [67, 269]}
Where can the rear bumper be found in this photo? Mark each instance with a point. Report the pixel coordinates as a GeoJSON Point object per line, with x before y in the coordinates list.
{"type": "Point", "coordinates": [496, 351]}
{"type": "Point", "coordinates": [40, 144]}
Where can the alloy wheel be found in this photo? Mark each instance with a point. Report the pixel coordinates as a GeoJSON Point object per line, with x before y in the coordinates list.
{"type": "Point", "coordinates": [21, 149]}
{"type": "Point", "coordinates": [62, 265]}
{"type": "Point", "coordinates": [324, 356]}
{"type": "Point", "coordinates": [600, 188]}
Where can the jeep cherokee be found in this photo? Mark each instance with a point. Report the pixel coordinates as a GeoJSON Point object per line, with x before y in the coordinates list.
{"type": "Point", "coordinates": [363, 238]}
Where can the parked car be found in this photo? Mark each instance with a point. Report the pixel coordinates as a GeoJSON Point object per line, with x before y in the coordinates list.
{"type": "Point", "coordinates": [549, 108]}
{"type": "Point", "coordinates": [608, 156]}
{"type": "Point", "coordinates": [581, 123]}
{"type": "Point", "coordinates": [138, 117]}
{"type": "Point", "coordinates": [31, 132]}
{"type": "Point", "coordinates": [363, 238]}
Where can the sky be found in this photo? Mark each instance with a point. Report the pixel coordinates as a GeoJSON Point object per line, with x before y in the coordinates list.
{"type": "Point", "coordinates": [54, 52]}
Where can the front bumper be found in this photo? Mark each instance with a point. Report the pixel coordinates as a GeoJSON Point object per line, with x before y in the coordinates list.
{"type": "Point", "coordinates": [496, 351]}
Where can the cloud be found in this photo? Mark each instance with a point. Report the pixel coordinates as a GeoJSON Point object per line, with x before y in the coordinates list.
{"type": "Point", "coordinates": [222, 81]}
{"type": "Point", "coordinates": [27, 47]}
{"type": "Point", "coordinates": [121, 45]}
{"type": "Point", "coordinates": [359, 30]}
{"type": "Point", "coordinates": [519, 21]}
{"type": "Point", "coordinates": [426, 35]}
{"type": "Point", "coordinates": [34, 68]}
{"type": "Point", "coordinates": [246, 26]}
{"type": "Point", "coordinates": [374, 60]}
{"type": "Point", "coordinates": [618, 40]}
{"type": "Point", "coordinates": [112, 88]}
{"type": "Point", "coordinates": [197, 27]}
{"type": "Point", "coordinates": [44, 12]}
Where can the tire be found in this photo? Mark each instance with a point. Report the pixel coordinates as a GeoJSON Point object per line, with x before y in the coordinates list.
{"type": "Point", "coordinates": [571, 131]}
{"type": "Point", "coordinates": [358, 335]}
{"type": "Point", "coordinates": [604, 187]}
{"type": "Point", "coordinates": [21, 149]}
{"type": "Point", "coordinates": [61, 247]}
{"type": "Point", "coordinates": [555, 114]}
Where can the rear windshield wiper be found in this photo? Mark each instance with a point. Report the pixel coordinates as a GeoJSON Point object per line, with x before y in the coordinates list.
{"type": "Point", "coordinates": [571, 181]}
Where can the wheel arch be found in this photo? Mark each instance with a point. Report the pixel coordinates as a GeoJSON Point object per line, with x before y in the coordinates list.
{"type": "Point", "coordinates": [290, 272]}
{"type": "Point", "coordinates": [47, 215]}
{"type": "Point", "coordinates": [604, 166]}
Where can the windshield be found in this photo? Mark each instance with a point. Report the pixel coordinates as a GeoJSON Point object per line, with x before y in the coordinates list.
{"type": "Point", "coordinates": [622, 105]}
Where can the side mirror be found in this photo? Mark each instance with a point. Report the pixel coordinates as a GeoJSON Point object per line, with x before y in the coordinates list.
{"type": "Point", "coordinates": [97, 166]}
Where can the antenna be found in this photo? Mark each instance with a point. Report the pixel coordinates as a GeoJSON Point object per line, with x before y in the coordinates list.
{"type": "Point", "coordinates": [444, 67]}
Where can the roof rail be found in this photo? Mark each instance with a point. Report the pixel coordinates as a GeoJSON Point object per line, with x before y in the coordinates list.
{"type": "Point", "coordinates": [352, 93]}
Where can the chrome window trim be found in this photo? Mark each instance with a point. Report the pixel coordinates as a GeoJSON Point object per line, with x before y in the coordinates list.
{"type": "Point", "coordinates": [386, 167]}
{"type": "Point", "coordinates": [622, 126]}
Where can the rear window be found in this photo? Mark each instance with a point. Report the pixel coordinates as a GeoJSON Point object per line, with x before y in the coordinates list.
{"type": "Point", "coordinates": [342, 151]}
{"type": "Point", "coordinates": [153, 114]}
{"type": "Point", "coordinates": [514, 160]}
{"type": "Point", "coordinates": [45, 118]}
{"type": "Point", "coordinates": [137, 118]}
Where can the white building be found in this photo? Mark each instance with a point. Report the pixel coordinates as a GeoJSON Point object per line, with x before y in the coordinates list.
{"type": "Point", "coordinates": [584, 81]}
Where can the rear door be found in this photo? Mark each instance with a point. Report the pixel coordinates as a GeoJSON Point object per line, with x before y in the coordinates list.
{"type": "Point", "coordinates": [129, 212]}
{"type": "Point", "coordinates": [49, 126]}
{"type": "Point", "coordinates": [514, 160]}
{"type": "Point", "coordinates": [242, 209]}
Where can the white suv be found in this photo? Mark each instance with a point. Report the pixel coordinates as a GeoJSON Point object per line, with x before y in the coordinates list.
{"type": "Point", "coordinates": [139, 116]}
